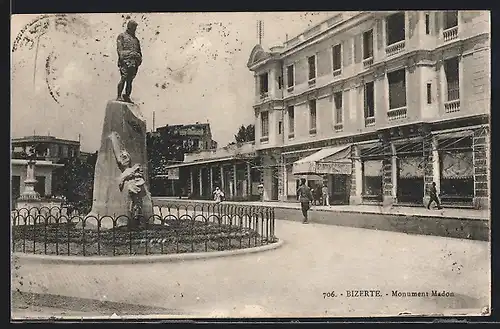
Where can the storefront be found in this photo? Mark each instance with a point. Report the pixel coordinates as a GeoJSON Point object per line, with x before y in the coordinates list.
{"type": "Point", "coordinates": [330, 165]}
{"type": "Point", "coordinates": [456, 162]}
{"type": "Point", "coordinates": [410, 172]}
{"type": "Point", "coordinates": [372, 170]}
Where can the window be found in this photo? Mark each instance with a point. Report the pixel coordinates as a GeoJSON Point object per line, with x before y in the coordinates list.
{"type": "Point", "coordinates": [395, 28]}
{"type": "Point", "coordinates": [450, 19]}
{"type": "Point", "coordinates": [291, 120]}
{"type": "Point", "coordinates": [280, 127]}
{"type": "Point", "coordinates": [369, 101]}
{"type": "Point", "coordinates": [264, 83]}
{"type": "Point", "coordinates": [264, 123]}
{"type": "Point", "coordinates": [290, 76]}
{"type": "Point", "coordinates": [311, 61]}
{"type": "Point", "coordinates": [452, 78]}
{"type": "Point", "coordinates": [337, 99]}
{"type": "Point", "coordinates": [280, 82]}
{"type": "Point", "coordinates": [368, 44]}
{"type": "Point", "coordinates": [397, 89]}
{"type": "Point", "coordinates": [312, 116]}
{"type": "Point", "coordinates": [427, 24]}
{"type": "Point", "coordinates": [337, 59]}
{"type": "Point", "coordinates": [429, 93]}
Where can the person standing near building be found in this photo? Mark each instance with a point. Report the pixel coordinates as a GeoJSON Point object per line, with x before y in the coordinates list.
{"type": "Point", "coordinates": [324, 195]}
{"type": "Point", "coordinates": [433, 196]}
{"type": "Point", "coordinates": [305, 196]}
{"type": "Point", "coordinates": [218, 195]}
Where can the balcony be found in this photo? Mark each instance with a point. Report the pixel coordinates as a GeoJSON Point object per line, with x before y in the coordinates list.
{"type": "Point", "coordinates": [264, 94]}
{"type": "Point", "coordinates": [289, 89]}
{"type": "Point", "coordinates": [369, 121]}
{"type": "Point", "coordinates": [337, 72]}
{"type": "Point", "coordinates": [291, 135]}
{"type": "Point", "coordinates": [312, 131]}
{"type": "Point", "coordinates": [450, 34]}
{"type": "Point", "coordinates": [395, 48]}
{"type": "Point", "coordinates": [338, 127]}
{"type": "Point", "coordinates": [264, 139]}
{"type": "Point", "coordinates": [452, 106]}
{"type": "Point", "coordinates": [368, 62]}
{"type": "Point", "coordinates": [395, 114]}
{"type": "Point", "coordinates": [311, 82]}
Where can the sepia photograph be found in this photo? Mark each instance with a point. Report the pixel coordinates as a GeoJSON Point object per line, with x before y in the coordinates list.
{"type": "Point", "coordinates": [228, 165]}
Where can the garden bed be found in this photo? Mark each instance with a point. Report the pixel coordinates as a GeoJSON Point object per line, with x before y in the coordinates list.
{"type": "Point", "coordinates": [172, 236]}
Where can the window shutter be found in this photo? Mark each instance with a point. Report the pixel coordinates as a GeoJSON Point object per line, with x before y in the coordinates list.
{"type": "Point", "coordinates": [412, 22]}
{"type": "Point", "coordinates": [346, 46]}
{"type": "Point", "coordinates": [437, 22]}
{"type": "Point", "coordinates": [379, 33]}
{"type": "Point", "coordinates": [357, 48]}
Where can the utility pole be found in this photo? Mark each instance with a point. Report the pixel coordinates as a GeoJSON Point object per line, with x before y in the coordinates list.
{"type": "Point", "coordinates": [153, 129]}
{"type": "Point", "coordinates": [260, 31]}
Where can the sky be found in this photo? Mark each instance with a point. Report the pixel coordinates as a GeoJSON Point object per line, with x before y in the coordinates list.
{"type": "Point", "coordinates": [193, 70]}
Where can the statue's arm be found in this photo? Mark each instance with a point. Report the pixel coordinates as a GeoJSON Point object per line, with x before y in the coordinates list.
{"type": "Point", "coordinates": [119, 46]}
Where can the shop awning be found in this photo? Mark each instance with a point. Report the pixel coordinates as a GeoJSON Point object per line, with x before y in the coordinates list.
{"type": "Point", "coordinates": [332, 160]}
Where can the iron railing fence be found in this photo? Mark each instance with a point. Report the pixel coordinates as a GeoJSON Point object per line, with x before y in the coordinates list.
{"type": "Point", "coordinates": [174, 228]}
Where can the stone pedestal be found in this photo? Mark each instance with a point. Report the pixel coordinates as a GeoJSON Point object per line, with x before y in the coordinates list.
{"type": "Point", "coordinates": [126, 120]}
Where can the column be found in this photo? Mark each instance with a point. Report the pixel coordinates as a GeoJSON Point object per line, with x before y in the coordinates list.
{"type": "Point", "coordinates": [221, 168]}
{"type": "Point", "coordinates": [200, 181]}
{"type": "Point", "coordinates": [211, 178]}
{"type": "Point", "coordinates": [249, 180]}
{"type": "Point", "coordinates": [234, 180]}
{"type": "Point", "coordinates": [356, 177]}
{"type": "Point", "coordinates": [191, 181]}
{"type": "Point", "coordinates": [394, 172]}
{"type": "Point", "coordinates": [436, 171]}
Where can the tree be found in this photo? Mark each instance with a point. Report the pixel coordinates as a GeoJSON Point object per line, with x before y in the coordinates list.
{"type": "Point", "coordinates": [75, 180]}
{"type": "Point", "coordinates": [245, 134]}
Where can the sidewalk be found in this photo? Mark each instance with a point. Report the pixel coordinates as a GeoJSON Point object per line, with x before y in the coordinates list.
{"type": "Point", "coordinates": [290, 281]}
{"type": "Point", "coordinates": [447, 222]}
{"type": "Point", "coordinates": [456, 213]}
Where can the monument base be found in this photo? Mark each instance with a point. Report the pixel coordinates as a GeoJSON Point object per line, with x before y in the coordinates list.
{"type": "Point", "coordinates": [123, 137]}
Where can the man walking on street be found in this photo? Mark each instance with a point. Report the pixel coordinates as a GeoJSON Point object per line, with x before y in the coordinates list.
{"type": "Point", "coordinates": [305, 196]}
{"type": "Point", "coordinates": [433, 197]}
{"type": "Point", "coordinates": [324, 195]}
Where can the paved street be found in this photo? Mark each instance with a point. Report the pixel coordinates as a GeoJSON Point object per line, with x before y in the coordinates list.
{"type": "Point", "coordinates": [291, 280]}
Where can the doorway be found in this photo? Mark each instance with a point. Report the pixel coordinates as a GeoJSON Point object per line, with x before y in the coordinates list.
{"type": "Point", "coordinates": [40, 185]}
{"type": "Point", "coordinates": [340, 189]}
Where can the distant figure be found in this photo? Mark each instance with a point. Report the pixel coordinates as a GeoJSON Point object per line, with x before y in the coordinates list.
{"type": "Point", "coordinates": [129, 59]}
{"type": "Point", "coordinates": [433, 196]}
{"type": "Point", "coordinates": [304, 195]}
{"type": "Point", "coordinates": [325, 196]}
{"type": "Point", "coordinates": [318, 195]}
{"type": "Point", "coordinates": [218, 195]}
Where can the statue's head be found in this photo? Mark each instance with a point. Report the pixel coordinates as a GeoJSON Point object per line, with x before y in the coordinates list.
{"type": "Point", "coordinates": [131, 27]}
{"type": "Point", "coordinates": [124, 159]}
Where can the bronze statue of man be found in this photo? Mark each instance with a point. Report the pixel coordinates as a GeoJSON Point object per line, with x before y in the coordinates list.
{"type": "Point", "coordinates": [129, 59]}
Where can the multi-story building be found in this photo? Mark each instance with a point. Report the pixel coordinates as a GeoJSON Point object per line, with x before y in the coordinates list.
{"type": "Point", "coordinates": [171, 143]}
{"type": "Point", "coordinates": [378, 105]}
{"type": "Point", "coordinates": [48, 148]}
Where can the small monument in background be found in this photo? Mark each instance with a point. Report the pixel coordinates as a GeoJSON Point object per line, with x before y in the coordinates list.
{"type": "Point", "coordinates": [29, 197]}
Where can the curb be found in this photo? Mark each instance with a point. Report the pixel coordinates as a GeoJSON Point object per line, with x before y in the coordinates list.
{"type": "Point", "coordinates": [147, 259]}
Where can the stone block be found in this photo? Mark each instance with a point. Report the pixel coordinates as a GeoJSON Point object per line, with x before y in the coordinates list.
{"type": "Point", "coordinates": [126, 120]}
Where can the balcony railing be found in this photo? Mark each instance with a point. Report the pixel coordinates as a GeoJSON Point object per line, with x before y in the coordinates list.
{"type": "Point", "coordinates": [368, 61]}
{"type": "Point", "coordinates": [394, 114]}
{"type": "Point", "coordinates": [452, 106]}
{"type": "Point", "coordinates": [312, 131]}
{"type": "Point", "coordinates": [369, 121]}
{"type": "Point", "coordinates": [289, 89]}
{"type": "Point", "coordinates": [395, 48]}
{"type": "Point", "coordinates": [338, 127]}
{"type": "Point", "coordinates": [291, 135]}
{"type": "Point", "coordinates": [450, 34]}
{"type": "Point", "coordinates": [264, 139]}
{"type": "Point", "coordinates": [337, 72]}
{"type": "Point", "coordinates": [264, 94]}
{"type": "Point", "coordinates": [312, 82]}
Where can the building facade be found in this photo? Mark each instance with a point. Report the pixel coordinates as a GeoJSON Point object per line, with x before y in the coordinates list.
{"type": "Point", "coordinates": [48, 148]}
{"type": "Point", "coordinates": [378, 105]}
{"type": "Point", "coordinates": [234, 169]}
